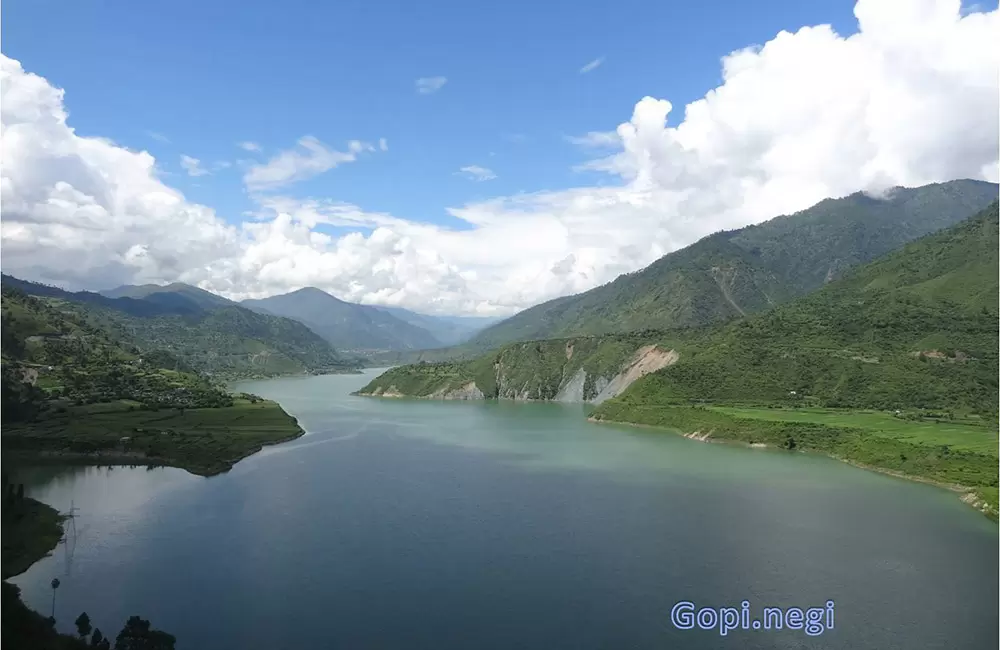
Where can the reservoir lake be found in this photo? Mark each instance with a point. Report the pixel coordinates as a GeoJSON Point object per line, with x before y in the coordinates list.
{"type": "Point", "coordinates": [412, 524]}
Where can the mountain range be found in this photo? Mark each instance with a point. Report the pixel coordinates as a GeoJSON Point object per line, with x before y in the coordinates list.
{"type": "Point", "coordinates": [721, 277]}
{"type": "Point", "coordinates": [347, 326]}
{"type": "Point", "coordinates": [734, 273]}
{"type": "Point", "coordinates": [915, 329]}
{"type": "Point", "coordinates": [202, 331]}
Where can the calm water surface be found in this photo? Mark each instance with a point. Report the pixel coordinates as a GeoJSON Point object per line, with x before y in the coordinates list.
{"type": "Point", "coordinates": [444, 525]}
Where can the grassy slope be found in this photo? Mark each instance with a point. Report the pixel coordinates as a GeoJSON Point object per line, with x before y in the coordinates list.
{"type": "Point", "coordinates": [202, 441]}
{"type": "Point", "coordinates": [915, 330]}
{"type": "Point", "coordinates": [91, 390]}
{"type": "Point", "coordinates": [918, 454]}
{"type": "Point", "coordinates": [964, 435]}
{"type": "Point", "coordinates": [729, 273]}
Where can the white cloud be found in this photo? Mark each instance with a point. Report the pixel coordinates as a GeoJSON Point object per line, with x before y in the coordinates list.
{"type": "Point", "coordinates": [311, 158]}
{"type": "Point", "coordinates": [911, 98]}
{"type": "Point", "coordinates": [592, 65]}
{"type": "Point", "coordinates": [221, 164]}
{"type": "Point", "coordinates": [383, 144]}
{"type": "Point", "coordinates": [159, 137]}
{"type": "Point", "coordinates": [596, 139]}
{"type": "Point", "coordinates": [248, 146]}
{"type": "Point", "coordinates": [477, 173]}
{"type": "Point", "coordinates": [428, 85]}
{"type": "Point", "coordinates": [193, 166]}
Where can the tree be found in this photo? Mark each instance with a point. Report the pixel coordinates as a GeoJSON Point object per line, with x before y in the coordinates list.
{"type": "Point", "coordinates": [55, 585]}
{"type": "Point", "coordinates": [97, 638]}
{"type": "Point", "coordinates": [83, 626]}
{"type": "Point", "coordinates": [138, 635]}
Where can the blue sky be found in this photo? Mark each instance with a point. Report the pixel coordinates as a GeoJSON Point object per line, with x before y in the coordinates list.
{"type": "Point", "coordinates": [711, 116]}
{"type": "Point", "coordinates": [207, 75]}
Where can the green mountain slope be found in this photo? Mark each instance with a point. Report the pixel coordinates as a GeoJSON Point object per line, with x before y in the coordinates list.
{"type": "Point", "coordinates": [76, 391]}
{"type": "Point", "coordinates": [204, 332]}
{"type": "Point", "coordinates": [730, 274]}
{"type": "Point", "coordinates": [346, 325]}
{"type": "Point", "coordinates": [915, 329]}
{"type": "Point", "coordinates": [50, 352]}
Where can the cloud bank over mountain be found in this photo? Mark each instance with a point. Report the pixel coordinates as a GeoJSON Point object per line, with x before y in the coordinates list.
{"type": "Point", "coordinates": [911, 98]}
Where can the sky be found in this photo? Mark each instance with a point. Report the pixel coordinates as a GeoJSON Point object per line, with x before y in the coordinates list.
{"type": "Point", "coordinates": [461, 158]}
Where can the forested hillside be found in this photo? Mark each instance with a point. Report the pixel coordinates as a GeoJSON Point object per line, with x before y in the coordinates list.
{"type": "Point", "coordinates": [731, 274]}
{"type": "Point", "coordinates": [917, 328]}
{"type": "Point", "coordinates": [202, 331]}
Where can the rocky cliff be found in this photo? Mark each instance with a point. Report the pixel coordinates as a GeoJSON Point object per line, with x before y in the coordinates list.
{"type": "Point", "coordinates": [581, 369]}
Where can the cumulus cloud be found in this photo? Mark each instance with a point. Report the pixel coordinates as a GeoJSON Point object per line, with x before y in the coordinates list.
{"type": "Point", "coordinates": [193, 166]}
{"type": "Point", "coordinates": [593, 65]}
{"type": "Point", "coordinates": [428, 85]}
{"type": "Point", "coordinates": [911, 98]}
{"type": "Point", "coordinates": [309, 159]}
{"type": "Point", "coordinates": [248, 146]}
{"type": "Point", "coordinates": [82, 212]}
{"type": "Point", "coordinates": [477, 173]}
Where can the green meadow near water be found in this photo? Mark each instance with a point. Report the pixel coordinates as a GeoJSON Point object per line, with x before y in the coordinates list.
{"type": "Point", "coordinates": [967, 435]}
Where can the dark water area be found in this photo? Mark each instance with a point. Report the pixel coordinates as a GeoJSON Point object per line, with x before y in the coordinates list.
{"type": "Point", "coordinates": [418, 524]}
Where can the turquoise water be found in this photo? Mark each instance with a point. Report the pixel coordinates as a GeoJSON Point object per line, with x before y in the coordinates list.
{"type": "Point", "coordinates": [418, 524]}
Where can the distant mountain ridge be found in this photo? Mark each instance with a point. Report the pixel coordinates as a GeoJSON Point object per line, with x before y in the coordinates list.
{"type": "Point", "coordinates": [448, 330]}
{"type": "Point", "coordinates": [733, 273]}
{"type": "Point", "coordinates": [205, 332]}
{"type": "Point", "coordinates": [156, 292]}
{"type": "Point", "coordinates": [355, 327]}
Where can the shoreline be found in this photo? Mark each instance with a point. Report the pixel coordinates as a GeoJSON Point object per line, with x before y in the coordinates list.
{"type": "Point", "coordinates": [138, 459]}
{"type": "Point", "coordinates": [968, 494]}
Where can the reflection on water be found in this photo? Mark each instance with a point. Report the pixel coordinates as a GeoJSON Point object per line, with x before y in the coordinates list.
{"type": "Point", "coordinates": [419, 524]}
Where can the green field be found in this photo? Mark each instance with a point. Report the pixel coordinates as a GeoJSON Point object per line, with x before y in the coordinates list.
{"type": "Point", "coordinates": [203, 440]}
{"type": "Point", "coordinates": [959, 435]}
{"type": "Point", "coordinates": [865, 438]}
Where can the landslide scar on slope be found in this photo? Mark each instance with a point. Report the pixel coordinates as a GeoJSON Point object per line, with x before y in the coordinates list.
{"type": "Point", "coordinates": [646, 360]}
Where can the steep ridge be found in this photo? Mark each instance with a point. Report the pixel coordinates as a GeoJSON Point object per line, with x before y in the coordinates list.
{"type": "Point", "coordinates": [346, 325]}
{"type": "Point", "coordinates": [914, 329]}
{"type": "Point", "coordinates": [730, 274]}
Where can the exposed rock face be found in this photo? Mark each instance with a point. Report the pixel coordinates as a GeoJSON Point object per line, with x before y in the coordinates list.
{"type": "Point", "coordinates": [647, 359]}
{"type": "Point", "coordinates": [466, 392]}
{"type": "Point", "coordinates": [572, 390]}
{"type": "Point", "coordinates": [529, 372]}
